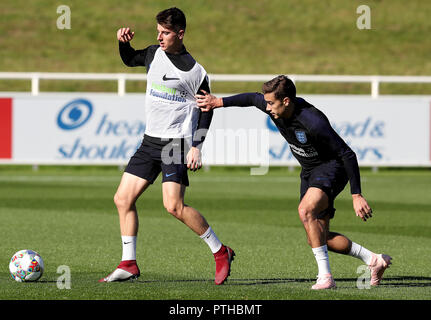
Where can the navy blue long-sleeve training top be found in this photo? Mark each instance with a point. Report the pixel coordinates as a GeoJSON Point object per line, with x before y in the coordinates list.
{"type": "Point", "coordinates": [311, 137]}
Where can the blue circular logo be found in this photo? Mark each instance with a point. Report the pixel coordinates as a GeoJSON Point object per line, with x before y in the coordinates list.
{"type": "Point", "coordinates": [74, 114]}
{"type": "Point", "coordinates": [271, 126]}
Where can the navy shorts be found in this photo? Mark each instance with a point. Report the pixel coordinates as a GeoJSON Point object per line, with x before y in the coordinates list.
{"type": "Point", "coordinates": [330, 177]}
{"type": "Point", "coordinates": [150, 159]}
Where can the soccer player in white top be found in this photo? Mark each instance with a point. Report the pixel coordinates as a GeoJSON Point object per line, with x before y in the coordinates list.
{"type": "Point", "coordinates": [172, 140]}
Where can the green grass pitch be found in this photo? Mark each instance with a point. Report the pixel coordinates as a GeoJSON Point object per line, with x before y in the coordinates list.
{"type": "Point", "coordinates": [68, 216]}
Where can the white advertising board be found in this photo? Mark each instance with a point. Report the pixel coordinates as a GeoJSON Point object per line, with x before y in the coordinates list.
{"type": "Point", "coordinates": [88, 129]}
{"type": "Point", "coordinates": [107, 129]}
{"type": "Point", "coordinates": [388, 131]}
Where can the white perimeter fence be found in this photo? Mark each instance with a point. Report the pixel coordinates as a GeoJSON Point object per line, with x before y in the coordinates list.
{"type": "Point", "coordinates": [121, 79]}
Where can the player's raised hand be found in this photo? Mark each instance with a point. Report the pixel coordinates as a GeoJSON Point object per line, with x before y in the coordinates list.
{"type": "Point", "coordinates": [208, 101]}
{"type": "Point", "coordinates": [361, 207]}
{"type": "Point", "coordinates": [125, 34]}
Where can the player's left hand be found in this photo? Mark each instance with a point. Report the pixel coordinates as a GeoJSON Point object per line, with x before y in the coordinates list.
{"type": "Point", "coordinates": [194, 159]}
{"type": "Point", "coordinates": [361, 207]}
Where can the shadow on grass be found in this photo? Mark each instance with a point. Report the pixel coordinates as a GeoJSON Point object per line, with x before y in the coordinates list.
{"type": "Point", "coordinates": [406, 281]}
{"type": "Point", "coordinates": [389, 282]}
{"type": "Point", "coordinates": [401, 281]}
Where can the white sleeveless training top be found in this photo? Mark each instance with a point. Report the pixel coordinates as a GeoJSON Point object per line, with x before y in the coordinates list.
{"type": "Point", "coordinates": [170, 106]}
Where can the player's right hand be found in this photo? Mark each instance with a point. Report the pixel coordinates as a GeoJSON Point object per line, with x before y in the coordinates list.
{"type": "Point", "coordinates": [125, 34]}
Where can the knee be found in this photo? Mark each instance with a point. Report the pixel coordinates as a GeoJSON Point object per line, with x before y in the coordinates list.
{"type": "Point", "coordinates": [122, 202]}
{"type": "Point", "coordinates": [305, 214]}
{"type": "Point", "coordinates": [175, 209]}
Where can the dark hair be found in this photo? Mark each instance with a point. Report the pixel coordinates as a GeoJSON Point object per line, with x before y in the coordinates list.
{"type": "Point", "coordinates": [172, 18]}
{"type": "Point", "coordinates": [282, 87]}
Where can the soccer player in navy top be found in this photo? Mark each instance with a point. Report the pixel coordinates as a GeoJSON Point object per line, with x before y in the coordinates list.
{"type": "Point", "coordinates": [327, 162]}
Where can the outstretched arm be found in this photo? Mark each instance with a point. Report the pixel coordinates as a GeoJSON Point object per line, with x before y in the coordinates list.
{"type": "Point", "coordinates": [208, 101]}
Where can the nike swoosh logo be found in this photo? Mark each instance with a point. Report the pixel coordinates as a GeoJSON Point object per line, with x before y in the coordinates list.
{"type": "Point", "coordinates": [169, 174]}
{"type": "Point", "coordinates": [127, 242]}
{"type": "Point", "coordinates": [165, 78]}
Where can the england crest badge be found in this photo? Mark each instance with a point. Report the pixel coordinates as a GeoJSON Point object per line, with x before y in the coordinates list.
{"type": "Point", "coordinates": [300, 135]}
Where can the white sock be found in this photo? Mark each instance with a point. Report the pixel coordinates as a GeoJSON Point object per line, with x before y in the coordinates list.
{"type": "Point", "coordinates": [129, 247]}
{"type": "Point", "coordinates": [211, 240]}
{"type": "Point", "coordinates": [360, 252]}
{"type": "Point", "coordinates": [322, 259]}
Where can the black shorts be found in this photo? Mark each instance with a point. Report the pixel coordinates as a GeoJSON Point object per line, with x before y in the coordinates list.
{"type": "Point", "coordinates": [330, 177]}
{"type": "Point", "coordinates": [151, 158]}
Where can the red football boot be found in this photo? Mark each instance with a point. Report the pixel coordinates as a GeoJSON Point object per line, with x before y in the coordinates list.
{"type": "Point", "coordinates": [223, 259]}
{"type": "Point", "coordinates": [126, 270]}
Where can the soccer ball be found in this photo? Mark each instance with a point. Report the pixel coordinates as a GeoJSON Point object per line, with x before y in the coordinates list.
{"type": "Point", "coordinates": [26, 265]}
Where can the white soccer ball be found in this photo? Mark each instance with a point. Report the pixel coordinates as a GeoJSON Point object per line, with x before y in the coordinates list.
{"type": "Point", "coordinates": [26, 265]}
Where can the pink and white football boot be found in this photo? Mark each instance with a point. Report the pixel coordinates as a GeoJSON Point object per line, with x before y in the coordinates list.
{"type": "Point", "coordinates": [324, 282]}
{"type": "Point", "coordinates": [379, 263]}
